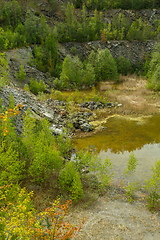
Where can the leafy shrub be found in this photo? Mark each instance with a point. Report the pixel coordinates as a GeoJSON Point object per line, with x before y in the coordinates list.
{"type": "Point", "coordinates": [54, 5]}
{"type": "Point", "coordinates": [70, 181]}
{"type": "Point", "coordinates": [46, 56]}
{"type": "Point", "coordinates": [32, 29]}
{"type": "Point", "coordinates": [36, 87]}
{"type": "Point", "coordinates": [79, 28]}
{"type": "Point", "coordinates": [154, 83]}
{"type": "Point", "coordinates": [123, 65]}
{"type": "Point", "coordinates": [154, 69]}
{"type": "Point", "coordinates": [132, 186]}
{"type": "Point", "coordinates": [75, 74]}
{"type": "Point", "coordinates": [4, 71]}
{"type": "Point", "coordinates": [18, 218]}
{"type": "Point", "coordinates": [132, 163]}
{"type": "Point", "coordinates": [43, 157]}
{"type": "Point", "coordinates": [101, 169]}
{"type": "Point", "coordinates": [124, 4]}
{"type": "Point", "coordinates": [22, 74]}
{"type": "Point", "coordinates": [140, 31]}
{"type": "Point", "coordinates": [104, 65]}
{"type": "Point", "coordinates": [153, 186]}
{"type": "Point", "coordinates": [72, 72]}
{"type": "Point", "coordinates": [11, 13]}
{"type": "Point", "coordinates": [11, 168]}
{"type": "Point", "coordinates": [64, 144]}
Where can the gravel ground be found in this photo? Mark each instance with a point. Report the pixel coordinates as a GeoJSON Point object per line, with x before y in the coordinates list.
{"type": "Point", "coordinates": [112, 217]}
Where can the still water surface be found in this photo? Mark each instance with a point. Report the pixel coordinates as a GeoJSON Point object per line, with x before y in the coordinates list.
{"type": "Point", "coordinates": [120, 137]}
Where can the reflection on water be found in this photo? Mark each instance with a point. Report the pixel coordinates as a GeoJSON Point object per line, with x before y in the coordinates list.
{"type": "Point", "coordinates": [121, 137]}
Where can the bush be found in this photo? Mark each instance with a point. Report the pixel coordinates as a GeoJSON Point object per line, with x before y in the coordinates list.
{"type": "Point", "coordinates": [18, 218]}
{"type": "Point", "coordinates": [153, 186]}
{"type": "Point", "coordinates": [154, 69]}
{"type": "Point", "coordinates": [32, 29]}
{"type": "Point", "coordinates": [70, 181]}
{"type": "Point", "coordinates": [4, 72]}
{"type": "Point", "coordinates": [123, 65]}
{"type": "Point", "coordinates": [79, 28]}
{"type": "Point", "coordinates": [36, 87]}
{"type": "Point", "coordinates": [11, 168]}
{"type": "Point", "coordinates": [140, 31]}
{"type": "Point", "coordinates": [11, 13]}
{"type": "Point", "coordinates": [155, 79]}
{"type": "Point", "coordinates": [21, 75]}
{"type": "Point", "coordinates": [75, 74]}
{"type": "Point", "coordinates": [44, 157]}
{"type": "Point", "coordinates": [72, 72]}
{"type": "Point", "coordinates": [101, 169]}
{"type": "Point", "coordinates": [104, 65]}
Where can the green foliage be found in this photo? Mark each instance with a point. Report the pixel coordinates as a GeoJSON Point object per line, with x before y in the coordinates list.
{"type": "Point", "coordinates": [22, 74]}
{"type": "Point", "coordinates": [26, 88]}
{"type": "Point", "coordinates": [132, 186]}
{"type": "Point", "coordinates": [64, 144]}
{"type": "Point", "coordinates": [140, 31]}
{"type": "Point", "coordinates": [10, 13]}
{"type": "Point", "coordinates": [79, 28]}
{"type": "Point", "coordinates": [73, 50]}
{"type": "Point", "coordinates": [74, 74]}
{"type": "Point", "coordinates": [46, 57]}
{"type": "Point", "coordinates": [117, 29]}
{"type": "Point", "coordinates": [154, 69]}
{"type": "Point", "coordinates": [11, 101]}
{"type": "Point", "coordinates": [130, 190]}
{"type": "Point", "coordinates": [43, 156]}
{"type": "Point", "coordinates": [11, 168]}
{"type": "Point", "coordinates": [131, 166]}
{"type": "Point", "coordinates": [4, 71]}
{"type": "Point", "coordinates": [155, 80]}
{"type": "Point", "coordinates": [32, 29]}
{"type": "Point", "coordinates": [70, 181]}
{"type": "Point", "coordinates": [153, 186]}
{"type": "Point", "coordinates": [124, 4]}
{"type": "Point", "coordinates": [104, 65]}
{"type": "Point", "coordinates": [101, 169]}
{"type": "Point", "coordinates": [123, 65]}
{"type": "Point", "coordinates": [36, 87]}
{"type": "Point", "coordinates": [54, 5]}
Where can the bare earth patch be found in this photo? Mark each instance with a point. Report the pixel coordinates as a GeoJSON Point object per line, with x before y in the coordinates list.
{"type": "Point", "coordinates": [112, 217]}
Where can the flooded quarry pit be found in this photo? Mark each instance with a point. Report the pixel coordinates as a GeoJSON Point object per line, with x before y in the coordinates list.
{"type": "Point", "coordinates": [122, 136]}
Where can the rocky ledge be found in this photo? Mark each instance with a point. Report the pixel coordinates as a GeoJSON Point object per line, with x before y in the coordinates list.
{"type": "Point", "coordinates": [54, 110]}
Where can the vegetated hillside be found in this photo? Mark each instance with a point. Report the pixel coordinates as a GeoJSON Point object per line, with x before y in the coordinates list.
{"type": "Point", "coordinates": [31, 156]}
{"type": "Point", "coordinates": [43, 24]}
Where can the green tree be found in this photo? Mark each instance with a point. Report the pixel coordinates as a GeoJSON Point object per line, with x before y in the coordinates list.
{"type": "Point", "coordinates": [154, 69]}
{"type": "Point", "coordinates": [42, 155]}
{"type": "Point", "coordinates": [4, 70]}
{"type": "Point", "coordinates": [70, 181]}
{"type": "Point", "coordinates": [72, 72]}
{"type": "Point", "coordinates": [104, 65]}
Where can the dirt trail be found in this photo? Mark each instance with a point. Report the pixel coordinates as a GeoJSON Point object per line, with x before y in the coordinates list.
{"type": "Point", "coordinates": [112, 217]}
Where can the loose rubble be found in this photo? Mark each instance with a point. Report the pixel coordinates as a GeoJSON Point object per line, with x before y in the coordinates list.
{"type": "Point", "coordinates": [54, 110]}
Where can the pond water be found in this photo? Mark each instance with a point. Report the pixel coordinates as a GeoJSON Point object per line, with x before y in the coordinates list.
{"type": "Point", "coordinates": [120, 137]}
